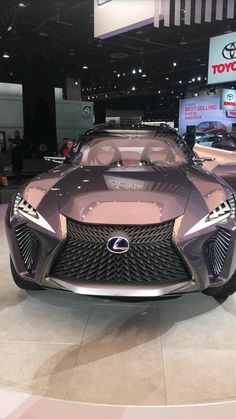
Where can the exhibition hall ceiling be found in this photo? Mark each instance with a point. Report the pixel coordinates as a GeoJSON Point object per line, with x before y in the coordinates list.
{"type": "Point", "coordinates": [145, 61]}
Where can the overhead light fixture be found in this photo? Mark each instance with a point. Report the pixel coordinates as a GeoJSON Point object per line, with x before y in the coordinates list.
{"type": "Point", "coordinates": [199, 78]}
{"type": "Point", "coordinates": [133, 88]}
{"type": "Point", "coordinates": [76, 83]}
{"type": "Point", "coordinates": [118, 75]}
{"type": "Point", "coordinates": [21, 5]}
{"type": "Point", "coordinates": [193, 79]}
{"type": "Point", "coordinates": [85, 67]}
{"type": "Point", "coordinates": [182, 41]}
{"type": "Point", "coordinates": [144, 75]}
{"type": "Point", "coordinates": [134, 71]}
{"type": "Point", "coordinates": [180, 81]}
{"type": "Point", "coordinates": [159, 92]}
{"type": "Point", "coordinates": [167, 78]}
{"type": "Point", "coordinates": [228, 29]}
{"type": "Point", "coordinates": [174, 64]}
{"type": "Point", "coordinates": [43, 34]}
{"type": "Point", "coordinates": [140, 70]}
{"type": "Point", "coordinates": [6, 55]}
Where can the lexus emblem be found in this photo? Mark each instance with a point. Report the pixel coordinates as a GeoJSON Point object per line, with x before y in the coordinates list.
{"type": "Point", "coordinates": [229, 51]}
{"type": "Point", "coordinates": [118, 244]}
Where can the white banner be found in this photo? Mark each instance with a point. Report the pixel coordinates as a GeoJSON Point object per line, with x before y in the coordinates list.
{"type": "Point", "coordinates": [112, 17]}
{"type": "Point", "coordinates": [117, 16]}
{"type": "Point", "coordinates": [222, 59]}
{"type": "Point", "coordinates": [204, 111]}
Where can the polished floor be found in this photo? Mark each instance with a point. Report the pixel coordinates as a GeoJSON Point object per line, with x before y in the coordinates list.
{"type": "Point", "coordinates": [78, 348]}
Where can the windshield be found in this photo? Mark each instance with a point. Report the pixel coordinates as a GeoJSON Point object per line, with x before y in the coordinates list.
{"type": "Point", "coordinates": [128, 148]}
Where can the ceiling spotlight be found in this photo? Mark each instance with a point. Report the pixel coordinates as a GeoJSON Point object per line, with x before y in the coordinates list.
{"type": "Point", "coordinates": [134, 71]}
{"type": "Point", "coordinates": [85, 67]}
{"type": "Point", "coordinates": [118, 75]}
{"type": "Point", "coordinates": [174, 64]}
{"type": "Point", "coordinates": [199, 78]}
{"type": "Point", "coordinates": [133, 88]}
{"type": "Point", "coordinates": [22, 5]}
{"type": "Point", "coordinates": [167, 78]}
{"type": "Point", "coordinates": [144, 75]}
{"type": "Point", "coordinates": [182, 41]}
{"type": "Point", "coordinates": [193, 79]}
{"type": "Point", "coordinates": [6, 55]}
{"type": "Point", "coordinates": [159, 92]}
{"type": "Point", "coordinates": [180, 81]}
{"type": "Point", "coordinates": [195, 94]}
{"type": "Point", "coordinates": [43, 34]}
{"type": "Point", "coordinates": [228, 29]}
{"type": "Point", "coordinates": [76, 83]}
{"type": "Point", "coordinates": [140, 70]}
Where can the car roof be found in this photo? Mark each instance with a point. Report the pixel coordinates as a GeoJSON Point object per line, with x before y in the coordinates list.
{"type": "Point", "coordinates": [129, 128]}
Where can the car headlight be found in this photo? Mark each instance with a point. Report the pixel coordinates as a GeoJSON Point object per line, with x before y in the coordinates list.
{"type": "Point", "coordinates": [22, 208]}
{"type": "Point", "coordinates": [220, 214]}
{"type": "Point", "coordinates": [225, 210]}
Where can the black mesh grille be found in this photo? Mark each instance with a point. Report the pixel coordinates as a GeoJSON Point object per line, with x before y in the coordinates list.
{"type": "Point", "coordinates": [151, 259]}
{"type": "Point", "coordinates": [216, 249]}
{"type": "Point", "coordinates": [28, 244]}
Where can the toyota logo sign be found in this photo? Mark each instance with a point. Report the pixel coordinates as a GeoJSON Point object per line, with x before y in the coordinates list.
{"type": "Point", "coordinates": [230, 96]}
{"type": "Point", "coordinates": [229, 51]}
{"type": "Point", "coordinates": [222, 59]}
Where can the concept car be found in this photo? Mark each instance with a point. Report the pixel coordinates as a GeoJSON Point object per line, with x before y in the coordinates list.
{"type": "Point", "coordinates": [130, 213]}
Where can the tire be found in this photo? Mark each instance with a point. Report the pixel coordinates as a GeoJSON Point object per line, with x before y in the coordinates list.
{"type": "Point", "coordinates": [225, 291]}
{"type": "Point", "coordinates": [22, 283]}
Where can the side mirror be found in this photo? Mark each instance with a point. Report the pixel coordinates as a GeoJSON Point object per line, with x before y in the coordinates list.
{"type": "Point", "coordinates": [203, 159]}
{"type": "Point", "coordinates": [58, 160]}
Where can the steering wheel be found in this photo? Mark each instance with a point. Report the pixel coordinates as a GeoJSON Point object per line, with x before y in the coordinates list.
{"type": "Point", "coordinates": [94, 155]}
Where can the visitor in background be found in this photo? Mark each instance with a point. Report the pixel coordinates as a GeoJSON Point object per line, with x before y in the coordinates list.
{"type": "Point", "coordinates": [16, 156]}
{"type": "Point", "coordinates": [64, 146]}
{"type": "Point", "coordinates": [17, 137]}
{"type": "Point", "coordinates": [69, 145]}
{"type": "Point", "coordinates": [43, 150]}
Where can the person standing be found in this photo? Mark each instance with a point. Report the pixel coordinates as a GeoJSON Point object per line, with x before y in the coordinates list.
{"type": "Point", "coordinates": [16, 157]}
{"type": "Point", "coordinates": [69, 145]}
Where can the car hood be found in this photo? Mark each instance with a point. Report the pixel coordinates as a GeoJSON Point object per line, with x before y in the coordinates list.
{"type": "Point", "coordinates": [132, 195]}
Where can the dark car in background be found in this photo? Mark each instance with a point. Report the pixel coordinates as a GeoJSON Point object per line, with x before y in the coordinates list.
{"type": "Point", "coordinates": [225, 142]}
{"type": "Point", "coordinates": [130, 213]}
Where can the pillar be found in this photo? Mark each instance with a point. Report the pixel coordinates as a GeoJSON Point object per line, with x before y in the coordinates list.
{"type": "Point", "coordinates": [39, 102]}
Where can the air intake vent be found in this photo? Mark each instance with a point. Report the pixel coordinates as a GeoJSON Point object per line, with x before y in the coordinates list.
{"type": "Point", "coordinates": [28, 244]}
{"type": "Point", "coordinates": [216, 249]}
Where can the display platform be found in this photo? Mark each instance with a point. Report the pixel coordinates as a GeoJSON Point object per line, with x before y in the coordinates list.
{"type": "Point", "coordinates": [76, 348]}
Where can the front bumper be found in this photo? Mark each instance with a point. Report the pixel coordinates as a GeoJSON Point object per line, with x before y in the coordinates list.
{"type": "Point", "coordinates": [191, 251]}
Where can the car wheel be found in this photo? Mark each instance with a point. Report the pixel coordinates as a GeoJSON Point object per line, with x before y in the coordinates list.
{"type": "Point", "coordinates": [22, 283]}
{"type": "Point", "coordinates": [225, 291]}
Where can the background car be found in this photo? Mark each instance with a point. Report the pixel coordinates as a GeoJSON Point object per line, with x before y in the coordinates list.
{"type": "Point", "coordinates": [225, 142]}
{"type": "Point", "coordinates": [130, 213]}
{"type": "Point", "coordinates": [204, 139]}
{"type": "Point", "coordinates": [211, 127]}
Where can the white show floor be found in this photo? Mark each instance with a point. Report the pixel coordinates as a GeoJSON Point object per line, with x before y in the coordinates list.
{"type": "Point", "coordinates": [72, 347]}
